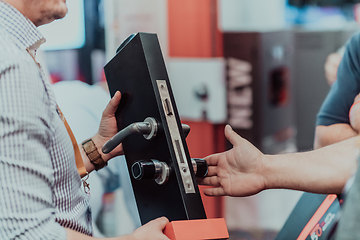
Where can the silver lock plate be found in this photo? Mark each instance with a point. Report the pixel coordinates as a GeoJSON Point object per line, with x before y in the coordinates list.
{"type": "Point", "coordinates": [175, 137]}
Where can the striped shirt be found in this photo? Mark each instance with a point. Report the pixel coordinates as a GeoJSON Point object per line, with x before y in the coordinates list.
{"type": "Point", "coordinates": [40, 189]}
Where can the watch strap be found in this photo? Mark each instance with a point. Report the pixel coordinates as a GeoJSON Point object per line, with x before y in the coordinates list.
{"type": "Point", "coordinates": [93, 154]}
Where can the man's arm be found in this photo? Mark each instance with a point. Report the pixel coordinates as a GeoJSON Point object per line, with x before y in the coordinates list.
{"type": "Point", "coordinates": [324, 170]}
{"type": "Point", "coordinates": [333, 124]}
{"type": "Point", "coordinates": [107, 129]}
{"type": "Point", "coordinates": [153, 230]}
{"type": "Point", "coordinates": [327, 135]}
{"type": "Point", "coordinates": [26, 171]}
{"type": "Point", "coordinates": [244, 170]}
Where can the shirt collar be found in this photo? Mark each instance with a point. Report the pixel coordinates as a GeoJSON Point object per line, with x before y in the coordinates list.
{"type": "Point", "coordinates": [20, 27]}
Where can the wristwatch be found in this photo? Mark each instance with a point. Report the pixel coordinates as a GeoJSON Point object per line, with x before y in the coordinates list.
{"type": "Point", "coordinates": [93, 154]}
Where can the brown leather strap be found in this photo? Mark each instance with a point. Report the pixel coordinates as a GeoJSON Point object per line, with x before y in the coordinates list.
{"type": "Point", "coordinates": [78, 159]}
{"type": "Point", "coordinates": [92, 153]}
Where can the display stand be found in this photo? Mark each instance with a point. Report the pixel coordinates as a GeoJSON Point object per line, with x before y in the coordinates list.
{"type": "Point", "coordinates": [163, 175]}
{"type": "Point", "coordinates": [197, 229]}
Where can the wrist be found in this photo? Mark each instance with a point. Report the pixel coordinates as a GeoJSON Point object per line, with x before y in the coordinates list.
{"type": "Point", "coordinates": [93, 152]}
{"type": "Point", "coordinates": [99, 142]}
{"type": "Point", "coordinates": [266, 171]}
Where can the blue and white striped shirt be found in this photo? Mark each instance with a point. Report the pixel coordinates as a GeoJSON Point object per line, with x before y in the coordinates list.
{"type": "Point", "coordinates": [40, 189]}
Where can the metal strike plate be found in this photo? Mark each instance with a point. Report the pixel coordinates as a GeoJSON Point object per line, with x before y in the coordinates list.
{"type": "Point", "coordinates": [175, 137]}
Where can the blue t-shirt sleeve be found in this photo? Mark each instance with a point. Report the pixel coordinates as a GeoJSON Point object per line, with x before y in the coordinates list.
{"type": "Point", "coordinates": [336, 106]}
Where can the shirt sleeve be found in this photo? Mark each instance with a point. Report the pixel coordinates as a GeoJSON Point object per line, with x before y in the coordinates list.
{"type": "Point", "coordinates": [336, 106]}
{"type": "Point", "coordinates": [26, 171]}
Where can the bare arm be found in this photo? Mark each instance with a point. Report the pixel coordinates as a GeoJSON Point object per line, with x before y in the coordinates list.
{"type": "Point", "coordinates": [327, 135]}
{"type": "Point", "coordinates": [324, 170]}
{"type": "Point", "coordinates": [244, 170]}
{"type": "Point", "coordinates": [153, 230]}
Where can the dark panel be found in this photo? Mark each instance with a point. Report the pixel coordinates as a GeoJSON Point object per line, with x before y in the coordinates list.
{"type": "Point", "coordinates": [272, 115]}
{"type": "Point", "coordinates": [134, 71]}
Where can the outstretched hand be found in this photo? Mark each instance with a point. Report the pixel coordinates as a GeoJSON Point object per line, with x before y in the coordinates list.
{"type": "Point", "coordinates": [237, 172]}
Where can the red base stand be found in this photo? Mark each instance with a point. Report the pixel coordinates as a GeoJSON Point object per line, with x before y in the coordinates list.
{"type": "Point", "coordinates": [200, 229]}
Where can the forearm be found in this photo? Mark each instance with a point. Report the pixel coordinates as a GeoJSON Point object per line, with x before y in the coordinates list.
{"type": "Point", "coordinates": [98, 143]}
{"type": "Point", "coordinates": [324, 170]}
{"type": "Point", "coordinates": [327, 135]}
{"type": "Point", "coordinates": [152, 230]}
{"type": "Point", "coordinates": [74, 235]}
{"type": "Point", "coordinates": [107, 129]}
{"type": "Point", "coordinates": [88, 165]}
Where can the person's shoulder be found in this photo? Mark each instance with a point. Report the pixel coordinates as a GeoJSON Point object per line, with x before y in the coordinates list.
{"type": "Point", "coordinates": [351, 56]}
{"type": "Point", "coordinates": [7, 44]}
{"type": "Point", "coordinates": [10, 54]}
{"type": "Point", "coordinates": [354, 41]}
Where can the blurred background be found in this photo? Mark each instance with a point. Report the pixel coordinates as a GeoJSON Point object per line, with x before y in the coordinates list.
{"type": "Point", "coordinates": [257, 65]}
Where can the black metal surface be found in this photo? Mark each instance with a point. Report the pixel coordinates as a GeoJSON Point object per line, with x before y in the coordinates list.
{"type": "Point", "coordinates": [134, 71]}
{"type": "Point", "coordinates": [272, 101]}
{"type": "Point", "coordinates": [303, 212]}
{"type": "Point", "coordinates": [143, 170]}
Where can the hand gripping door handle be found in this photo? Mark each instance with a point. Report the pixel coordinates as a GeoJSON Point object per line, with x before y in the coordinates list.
{"type": "Point", "coordinates": [148, 129]}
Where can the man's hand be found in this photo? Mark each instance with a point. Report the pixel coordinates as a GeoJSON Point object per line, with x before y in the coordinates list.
{"type": "Point", "coordinates": [153, 230]}
{"type": "Point", "coordinates": [331, 67]}
{"type": "Point", "coordinates": [354, 114]}
{"type": "Point", "coordinates": [237, 172]}
{"type": "Point", "coordinates": [108, 127]}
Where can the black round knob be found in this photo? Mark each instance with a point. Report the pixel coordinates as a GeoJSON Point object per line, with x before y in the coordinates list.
{"type": "Point", "coordinates": [143, 170]}
{"type": "Point", "coordinates": [202, 167]}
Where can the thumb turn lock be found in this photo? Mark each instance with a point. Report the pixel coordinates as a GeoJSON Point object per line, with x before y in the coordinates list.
{"type": "Point", "coordinates": [160, 171]}
{"type": "Point", "coordinates": [151, 169]}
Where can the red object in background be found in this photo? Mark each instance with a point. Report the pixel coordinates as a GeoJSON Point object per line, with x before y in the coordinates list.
{"type": "Point", "coordinates": [205, 139]}
{"type": "Point", "coordinates": [193, 29]}
{"type": "Point", "coordinates": [54, 78]}
{"type": "Point", "coordinates": [103, 77]}
{"type": "Point", "coordinates": [197, 229]}
{"type": "Point", "coordinates": [279, 87]}
{"type": "Point", "coordinates": [193, 32]}
{"type": "Point", "coordinates": [357, 13]}
{"type": "Point", "coordinates": [81, 77]}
